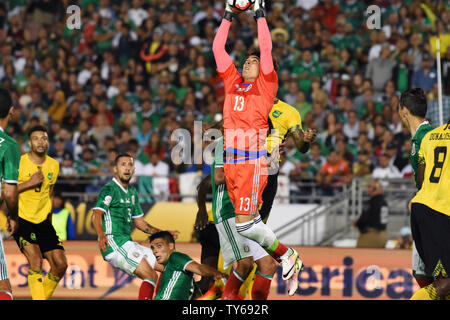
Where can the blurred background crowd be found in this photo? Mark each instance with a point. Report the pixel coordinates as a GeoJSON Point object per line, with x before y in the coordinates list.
{"type": "Point", "coordinates": [137, 70]}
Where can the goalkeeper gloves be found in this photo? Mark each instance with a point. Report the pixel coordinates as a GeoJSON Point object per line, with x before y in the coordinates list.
{"type": "Point", "coordinates": [228, 15]}
{"type": "Point", "coordinates": [259, 9]}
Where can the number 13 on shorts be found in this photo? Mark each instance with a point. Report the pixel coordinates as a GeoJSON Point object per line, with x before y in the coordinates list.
{"type": "Point", "coordinates": [239, 103]}
{"type": "Point", "coordinates": [245, 204]}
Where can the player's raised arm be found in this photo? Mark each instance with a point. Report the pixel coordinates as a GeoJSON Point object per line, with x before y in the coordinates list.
{"type": "Point", "coordinates": [264, 38]}
{"type": "Point", "coordinates": [221, 56]}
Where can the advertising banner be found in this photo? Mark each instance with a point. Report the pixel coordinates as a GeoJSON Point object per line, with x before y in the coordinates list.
{"type": "Point", "coordinates": [330, 273]}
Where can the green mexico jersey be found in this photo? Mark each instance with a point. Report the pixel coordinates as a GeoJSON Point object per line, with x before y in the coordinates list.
{"type": "Point", "coordinates": [119, 205]}
{"type": "Point", "coordinates": [423, 128]}
{"type": "Point", "coordinates": [176, 283]}
{"type": "Point", "coordinates": [222, 207]}
{"type": "Point", "coordinates": [9, 159]}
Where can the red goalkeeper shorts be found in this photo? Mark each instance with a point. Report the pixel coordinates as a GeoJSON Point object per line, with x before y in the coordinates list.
{"type": "Point", "coordinates": [245, 183]}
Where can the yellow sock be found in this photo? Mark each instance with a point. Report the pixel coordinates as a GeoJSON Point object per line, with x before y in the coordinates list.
{"type": "Point", "coordinates": [426, 293]}
{"type": "Point", "coordinates": [246, 287]}
{"type": "Point", "coordinates": [50, 283]}
{"type": "Point", "coordinates": [220, 283]}
{"type": "Point", "coordinates": [35, 284]}
{"type": "Point", "coordinates": [421, 294]}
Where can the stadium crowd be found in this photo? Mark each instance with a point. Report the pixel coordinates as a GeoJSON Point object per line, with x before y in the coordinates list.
{"type": "Point", "coordinates": [137, 70]}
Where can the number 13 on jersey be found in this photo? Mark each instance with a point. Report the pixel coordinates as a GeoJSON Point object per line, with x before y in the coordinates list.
{"type": "Point", "coordinates": [239, 102]}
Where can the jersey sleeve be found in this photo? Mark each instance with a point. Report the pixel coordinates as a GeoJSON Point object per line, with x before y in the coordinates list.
{"type": "Point", "coordinates": [421, 155]}
{"type": "Point", "coordinates": [104, 199]}
{"type": "Point", "coordinates": [268, 84]}
{"type": "Point", "coordinates": [181, 260]}
{"type": "Point", "coordinates": [218, 154]}
{"type": "Point", "coordinates": [294, 122]}
{"type": "Point", "coordinates": [11, 162]}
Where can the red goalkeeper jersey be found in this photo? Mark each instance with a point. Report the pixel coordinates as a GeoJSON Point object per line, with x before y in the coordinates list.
{"type": "Point", "coordinates": [246, 109]}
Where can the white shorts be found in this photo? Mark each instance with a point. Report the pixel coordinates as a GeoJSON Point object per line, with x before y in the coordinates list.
{"type": "Point", "coordinates": [418, 266]}
{"type": "Point", "coordinates": [129, 256]}
{"type": "Point", "coordinates": [3, 265]}
{"type": "Point", "coordinates": [234, 246]}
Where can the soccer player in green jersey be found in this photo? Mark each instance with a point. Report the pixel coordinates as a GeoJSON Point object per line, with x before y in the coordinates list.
{"type": "Point", "coordinates": [9, 173]}
{"type": "Point", "coordinates": [117, 204]}
{"type": "Point", "coordinates": [177, 280]}
{"type": "Point", "coordinates": [412, 109]}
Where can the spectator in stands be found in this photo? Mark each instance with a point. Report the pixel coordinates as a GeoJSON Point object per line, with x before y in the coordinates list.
{"type": "Point", "coordinates": [315, 160]}
{"type": "Point", "coordinates": [363, 166]}
{"type": "Point", "coordinates": [58, 149]}
{"type": "Point", "coordinates": [101, 128]}
{"type": "Point", "coordinates": [342, 149]}
{"type": "Point", "coordinates": [351, 126]}
{"type": "Point", "coordinates": [155, 146]}
{"type": "Point", "coordinates": [433, 107]}
{"type": "Point", "coordinates": [404, 240]}
{"type": "Point", "coordinates": [385, 170]}
{"type": "Point", "coordinates": [373, 221]}
{"type": "Point", "coordinates": [380, 69]}
{"type": "Point", "coordinates": [426, 76]}
{"type": "Point", "coordinates": [333, 174]}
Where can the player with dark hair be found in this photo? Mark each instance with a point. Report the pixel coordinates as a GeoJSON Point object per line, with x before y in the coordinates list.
{"type": "Point", "coordinates": [412, 109]}
{"type": "Point", "coordinates": [248, 100]}
{"type": "Point", "coordinates": [36, 236]}
{"type": "Point", "coordinates": [177, 280]}
{"type": "Point", "coordinates": [9, 174]}
{"type": "Point", "coordinates": [116, 205]}
{"type": "Point", "coordinates": [430, 213]}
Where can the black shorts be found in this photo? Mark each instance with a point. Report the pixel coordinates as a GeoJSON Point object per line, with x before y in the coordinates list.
{"type": "Point", "coordinates": [209, 240]}
{"type": "Point", "coordinates": [431, 233]}
{"type": "Point", "coordinates": [268, 196]}
{"type": "Point", "coordinates": [43, 234]}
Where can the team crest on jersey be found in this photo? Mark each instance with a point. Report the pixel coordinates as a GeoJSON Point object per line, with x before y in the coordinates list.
{"type": "Point", "coordinates": [50, 176]}
{"type": "Point", "coordinates": [243, 87]}
{"type": "Point", "coordinates": [413, 149]}
{"type": "Point", "coordinates": [136, 254]}
{"type": "Point", "coordinates": [107, 200]}
{"type": "Point", "coordinates": [246, 248]}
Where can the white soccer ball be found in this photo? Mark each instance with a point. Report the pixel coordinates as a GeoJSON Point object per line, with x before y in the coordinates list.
{"type": "Point", "coordinates": [241, 5]}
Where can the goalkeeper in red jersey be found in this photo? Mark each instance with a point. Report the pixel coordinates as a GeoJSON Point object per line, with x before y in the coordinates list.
{"type": "Point", "coordinates": [248, 100]}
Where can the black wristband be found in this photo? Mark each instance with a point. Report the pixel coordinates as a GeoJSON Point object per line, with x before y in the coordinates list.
{"type": "Point", "coordinates": [228, 16]}
{"type": "Point", "coordinates": [259, 14]}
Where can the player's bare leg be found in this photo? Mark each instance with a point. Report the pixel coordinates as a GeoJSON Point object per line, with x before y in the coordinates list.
{"type": "Point", "coordinates": [149, 278]}
{"type": "Point", "coordinates": [58, 266]}
{"type": "Point", "coordinates": [253, 228]}
{"type": "Point", "coordinates": [5, 290]}
{"type": "Point", "coordinates": [263, 277]}
{"type": "Point", "coordinates": [237, 277]}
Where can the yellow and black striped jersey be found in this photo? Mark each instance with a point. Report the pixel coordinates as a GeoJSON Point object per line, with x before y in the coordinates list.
{"type": "Point", "coordinates": [283, 120]}
{"type": "Point", "coordinates": [35, 204]}
{"type": "Point", "coordinates": [434, 153]}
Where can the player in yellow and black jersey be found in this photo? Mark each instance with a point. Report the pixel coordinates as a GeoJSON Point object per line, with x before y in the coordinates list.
{"type": "Point", "coordinates": [284, 120]}
{"type": "Point", "coordinates": [430, 212]}
{"type": "Point", "coordinates": [36, 236]}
